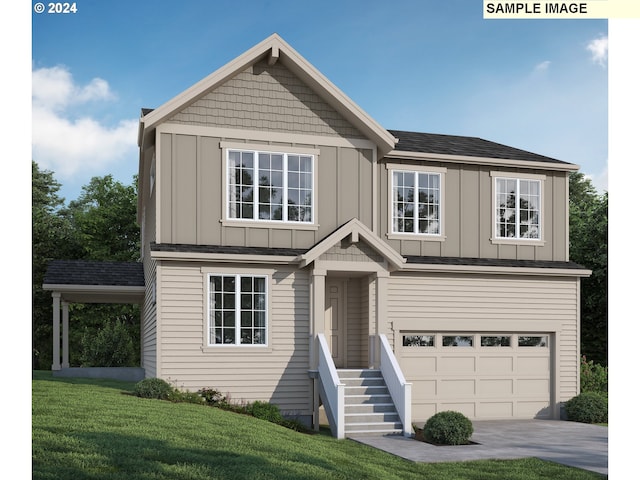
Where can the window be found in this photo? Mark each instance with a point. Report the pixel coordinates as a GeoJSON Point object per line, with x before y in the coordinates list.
{"type": "Point", "coordinates": [266, 186]}
{"type": "Point", "coordinates": [416, 202]}
{"type": "Point", "coordinates": [539, 341]}
{"type": "Point", "coordinates": [495, 341]}
{"type": "Point", "coordinates": [237, 310]}
{"type": "Point", "coordinates": [518, 209]}
{"type": "Point", "coordinates": [418, 340]}
{"type": "Point", "coordinates": [457, 341]}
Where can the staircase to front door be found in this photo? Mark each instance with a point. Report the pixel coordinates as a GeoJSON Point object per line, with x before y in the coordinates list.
{"type": "Point", "coordinates": [368, 406]}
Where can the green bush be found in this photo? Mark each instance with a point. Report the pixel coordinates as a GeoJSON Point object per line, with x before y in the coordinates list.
{"type": "Point", "coordinates": [265, 411]}
{"type": "Point", "coordinates": [588, 407]}
{"type": "Point", "coordinates": [153, 388]}
{"type": "Point", "coordinates": [111, 346]}
{"type": "Point", "coordinates": [212, 396]}
{"type": "Point", "coordinates": [184, 396]}
{"type": "Point", "coordinates": [593, 376]}
{"type": "Point", "coordinates": [448, 428]}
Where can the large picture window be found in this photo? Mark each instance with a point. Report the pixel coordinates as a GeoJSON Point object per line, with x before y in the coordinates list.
{"type": "Point", "coordinates": [266, 186]}
{"type": "Point", "coordinates": [237, 310]}
{"type": "Point", "coordinates": [416, 204]}
{"type": "Point", "coordinates": [518, 208]}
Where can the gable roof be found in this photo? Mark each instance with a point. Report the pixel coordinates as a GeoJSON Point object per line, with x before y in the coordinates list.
{"type": "Point", "coordinates": [274, 49]}
{"type": "Point", "coordinates": [358, 232]}
{"type": "Point", "coordinates": [461, 147]}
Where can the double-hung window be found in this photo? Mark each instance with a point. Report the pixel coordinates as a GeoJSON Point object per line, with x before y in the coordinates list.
{"type": "Point", "coordinates": [237, 309]}
{"type": "Point", "coordinates": [269, 186]}
{"type": "Point", "coordinates": [518, 208]}
{"type": "Point", "coordinates": [416, 202]}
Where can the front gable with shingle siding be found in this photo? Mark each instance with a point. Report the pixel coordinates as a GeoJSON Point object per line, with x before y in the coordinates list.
{"type": "Point", "coordinates": [267, 98]}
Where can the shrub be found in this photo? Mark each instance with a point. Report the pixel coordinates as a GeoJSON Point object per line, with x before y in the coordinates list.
{"type": "Point", "coordinates": [212, 397]}
{"type": "Point", "coordinates": [588, 407]}
{"type": "Point", "coordinates": [153, 388]}
{"type": "Point", "coordinates": [265, 411]}
{"type": "Point", "coordinates": [593, 376]}
{"type": "Point", "coordinates": [111, 346]}
{"type": "Point", "coordinates": [448, 428]}
{"type": "Point", "coordinates": [184, 396]}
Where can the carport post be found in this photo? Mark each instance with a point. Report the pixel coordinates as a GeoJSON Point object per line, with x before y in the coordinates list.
{"type": "Point", "coordinates": [56, 331]}
{"type": "Point", "coordinates": [65, 334]}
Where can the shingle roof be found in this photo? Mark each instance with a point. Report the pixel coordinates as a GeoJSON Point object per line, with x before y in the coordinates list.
{"type": "Point", "coordinates": [465, 146]}
{"type": "Point", "coordinates": [493, 262]}
{"type": "Point", "coordinates": [86, 272]}
{"type": "Point", "coordinates": [463, 261]}
{"type": "Point", "coordinates": [178, 247]}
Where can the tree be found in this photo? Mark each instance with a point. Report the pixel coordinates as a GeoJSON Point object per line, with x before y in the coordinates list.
{"type": "Point", "coordinates": [53, 238]}
{"type": "Point", "coordinates": [104, 216]}
{"type": "Point", "coordinates": [588, 246]}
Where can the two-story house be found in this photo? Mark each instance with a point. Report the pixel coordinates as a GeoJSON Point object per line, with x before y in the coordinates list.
{"type": "Point", "coordinates": [297, 252]}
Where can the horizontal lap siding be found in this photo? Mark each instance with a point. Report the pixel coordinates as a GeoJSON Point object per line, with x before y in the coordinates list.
{"type": "Point", "coordinates": [495, 302]}
{"type": "Point", "coordinates": [277, 374]}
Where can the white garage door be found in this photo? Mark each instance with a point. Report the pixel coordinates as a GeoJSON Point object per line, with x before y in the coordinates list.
{"type": "Point", "coordinates": [483, 375]}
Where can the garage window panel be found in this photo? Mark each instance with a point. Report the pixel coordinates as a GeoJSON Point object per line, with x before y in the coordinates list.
{"type": "Point", "coordinates": [495, 341]}
{"type": "Point", "coordinates": [415, 340]}
{"type": "Point", "coordinates": [457, 340]}
{"type": "Point", "coordinates": [533, 341]}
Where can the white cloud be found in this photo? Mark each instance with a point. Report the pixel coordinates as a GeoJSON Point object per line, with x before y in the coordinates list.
{"type": "Point", "coordinates": [599, 49]}
{"type": "Point", "coordinates": [70, 144]}
{"type": "Point", "coordinates": [542, 66]}
{"type": "Point", "coordinates": [600, 180]}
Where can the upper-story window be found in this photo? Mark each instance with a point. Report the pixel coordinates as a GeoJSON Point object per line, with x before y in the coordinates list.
{"type": "Point", "coordinates": [416, 202]}
{"type": "Point", "coordinates": [269, 186]}
{"type": "Point", "coordinates": [518, 208]}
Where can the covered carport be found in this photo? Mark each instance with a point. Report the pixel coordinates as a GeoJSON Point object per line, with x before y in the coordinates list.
{"type": "Point", "coordinates": [83, 281]}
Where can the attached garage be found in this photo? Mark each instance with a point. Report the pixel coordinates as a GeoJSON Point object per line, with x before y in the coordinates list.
{"type": "Point", "coordinates": [490, 346]}
{"type": "Point", "coordinates": [483, 375]}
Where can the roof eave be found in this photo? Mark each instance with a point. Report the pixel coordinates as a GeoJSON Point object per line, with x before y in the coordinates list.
{"type": "Point", "coordinates": [498, 162]}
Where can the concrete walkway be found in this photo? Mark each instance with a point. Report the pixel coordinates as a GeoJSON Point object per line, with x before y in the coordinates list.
{"type": "Point", "coordinates": [569, 443]}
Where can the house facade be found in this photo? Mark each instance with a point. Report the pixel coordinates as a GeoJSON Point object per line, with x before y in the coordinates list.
{"type": "Point", "coordinates": [297, 252]}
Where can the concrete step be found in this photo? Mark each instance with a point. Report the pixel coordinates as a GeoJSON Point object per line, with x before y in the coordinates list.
{"type": "Point", "coordinates": [364, 382]}
{"type": "Point", "coordinates": [367, 399]}
{"type": "Point", "coordinates": [369, 408]}
{"type": "Point", "coordinates": [366, 390]}
{"type": "Point", "coordinates": [358, 373]}
{"type": "Point", "coordinates": [373, 427]}
{"type": "Point", "coordinates": [360, 418]}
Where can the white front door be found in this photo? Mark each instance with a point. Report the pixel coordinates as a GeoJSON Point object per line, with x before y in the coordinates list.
{"type": "Point", "coordinates": [335, 319]}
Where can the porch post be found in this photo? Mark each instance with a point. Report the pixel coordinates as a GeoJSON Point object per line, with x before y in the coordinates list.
{"type": "Point", "coordinates": [56, 331]}
{"type": "Point", "coordinates": [65, 334]}
{"type": "Point", "coordinates": [316, 322]}
{"type": "Point", "coordinates": [382, 284]}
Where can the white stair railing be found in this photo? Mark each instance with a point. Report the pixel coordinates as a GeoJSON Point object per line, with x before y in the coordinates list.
{"type": "Point", "coordinates": [331, 390]}
{"type": "Point", "coordinates": [398, 387]}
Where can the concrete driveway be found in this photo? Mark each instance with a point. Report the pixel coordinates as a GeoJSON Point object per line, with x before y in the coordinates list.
{"type": "Point", "coordinates": [569, 443]}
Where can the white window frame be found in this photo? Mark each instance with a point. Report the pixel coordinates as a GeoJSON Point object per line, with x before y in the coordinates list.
{"type": "Point", "coordinates": [495, 239]}
{"type": "Point", "coordinates": [209, 327]}
{"type": "Point", "coordinates": [256, 149]}
{"type": "Point", "coordinates": [416, 170]}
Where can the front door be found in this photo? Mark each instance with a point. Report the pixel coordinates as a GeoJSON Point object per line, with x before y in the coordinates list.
{"type": "Point", "coordinates": [335, 319]}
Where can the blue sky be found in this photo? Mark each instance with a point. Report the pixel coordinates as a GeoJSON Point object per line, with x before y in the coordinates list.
{"type": "Point", "coordinates": [426, 65]}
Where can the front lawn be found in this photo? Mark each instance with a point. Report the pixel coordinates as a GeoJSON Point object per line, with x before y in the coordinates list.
{"type": "Point", "coordinates": [95, 429]}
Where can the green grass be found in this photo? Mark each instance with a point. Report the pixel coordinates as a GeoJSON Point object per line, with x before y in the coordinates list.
{"type": "Point", "coordinates": [95, 429]}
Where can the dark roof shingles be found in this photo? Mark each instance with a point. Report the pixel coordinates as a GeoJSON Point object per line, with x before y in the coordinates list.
{"type": "Point", "coordinates": [464, 146]}
{"type": "Point", "coordinates": [493, 262]}
{"type": "Point", "coordinates": [87, 272]}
